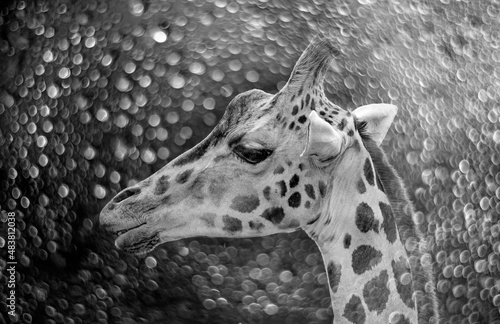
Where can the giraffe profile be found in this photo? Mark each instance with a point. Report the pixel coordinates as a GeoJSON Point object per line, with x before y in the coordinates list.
{"type": "Point", "coordinates": [289, 161]}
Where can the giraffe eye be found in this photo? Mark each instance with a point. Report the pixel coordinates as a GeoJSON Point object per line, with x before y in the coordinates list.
{"type": "Point", "coordinates": [251, 155]}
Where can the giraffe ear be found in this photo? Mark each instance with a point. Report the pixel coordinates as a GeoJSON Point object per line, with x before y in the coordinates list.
{"type": "Point", "coordinates": [323, 141]}
{"type": "Point", "coordinates": [377, 119]}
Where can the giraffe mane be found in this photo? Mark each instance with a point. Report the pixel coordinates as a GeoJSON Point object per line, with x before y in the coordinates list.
{"type": "Point", "coordinates": [403, 210]}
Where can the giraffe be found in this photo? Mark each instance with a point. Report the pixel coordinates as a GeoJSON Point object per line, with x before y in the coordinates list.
{"type": "Point", "coordinates": [289, 161]}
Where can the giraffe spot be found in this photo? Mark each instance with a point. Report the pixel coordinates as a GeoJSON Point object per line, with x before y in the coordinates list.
{"type": "Point", "coordinates": [267, 192]}
{"type": "Point", "coordinates": [361, 186]}
{"type": "Point", "coordinates": [216, 188]}
{"type": "Point", "coordinates": [274, 214]}
{"type": "Point", "coordinates": [162, 185]}
{"type": "Point", "coordinates": [322, 189]}
{"type": "Point", "coordinates": [342, 124]}
{"type": "Point", "coordinates": [334, 271]}
{"type": "Point", "coordinates": [282, 186]}
{"type": "Point", "coordinates": [183, 177]}
{"type": "Point", "coordinates": [369, 172]}
{"type": "Point", "coordinates": [302, 119]}
{"type": "Point", "coordinates": [231, 224]}
{"type": "Point", "coordinates": [209, 219]}
{"type": "Point", "coordinates": [365, 219]}
{"type": "Point", "coordinates": [294, 181]}
{"type": "Point", "coordinates": [196, 188]}
{"type": "Point", "coordinates": [354, 310]}
{"type": "Point", "coordinates": [310, 191]}
{"type": "Point", "coordinates": [295, 110]}
{"type": "Point", "coordinates": [350, 133]}
{"type": "Point", "coordinates": [322, 113]}
{"type": "Point", "coordinates": [301, 166]}
{"type": "Point", "coordinates": [389, 223]}
{"type": "Point", "coordinates": [245, 204]}
{"type": "Point", "coordinates": [364, 258]}
{"type": "Point", "coordinates": [294, 200]}
{"type": "Point", "coordinates": [292, 125]}
{"type": "Point", "coordinates": [313, 105]}
{"type": "Point", "coordinates": [347, 241]}
{"type": "Point", "coordinates": [308, 98]}
{"type": "Point", "coordinates": [166, 201]}
{"type": "Point", "coordinates": [404, 284]}
{"type": "Point", "coordinates": [297, 128]}
{"type": "Point", "coordinates": [279, 170]}
{"type": "Point", "coordinates": [256, 226]}
{"type": "Point", "coordinates": [307, 204]}
{"type": "Point", "coordinates": [376, 293]}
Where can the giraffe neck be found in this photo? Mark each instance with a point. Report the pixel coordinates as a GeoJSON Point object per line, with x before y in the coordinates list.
{"type": "Point", "coordinates": [366, 262]}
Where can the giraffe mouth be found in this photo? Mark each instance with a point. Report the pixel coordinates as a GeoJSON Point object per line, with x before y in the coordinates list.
{"type": "Point", "coordinates": [139, 239]}
{"type": "Point", "coordinates": [123, 231]}
{"type": "Point", "coordinates": [142, 246]}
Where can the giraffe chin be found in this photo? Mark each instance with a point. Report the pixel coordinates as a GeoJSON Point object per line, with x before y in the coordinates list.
{"type": "Point", "coordinates": [138, 241]}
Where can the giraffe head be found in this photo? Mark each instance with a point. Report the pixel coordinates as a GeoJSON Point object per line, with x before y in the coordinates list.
{"type": "Point", "coordinates": [267, 167]}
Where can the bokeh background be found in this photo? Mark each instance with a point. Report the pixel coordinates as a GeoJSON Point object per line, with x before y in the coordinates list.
{"type": "Point", "coordinates": [97, 95]}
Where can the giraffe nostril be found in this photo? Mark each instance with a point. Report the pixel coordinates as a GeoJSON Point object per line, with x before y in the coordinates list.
{"type": "Point", "coordinates": [129, 192]}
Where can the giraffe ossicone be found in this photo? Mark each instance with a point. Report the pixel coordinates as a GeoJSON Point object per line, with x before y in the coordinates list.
{"type": "Point", "coordinates": [289, 161]}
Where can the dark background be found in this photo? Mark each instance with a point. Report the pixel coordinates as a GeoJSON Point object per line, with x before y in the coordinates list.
{"type": "Point", "coordinates": [97, 95]}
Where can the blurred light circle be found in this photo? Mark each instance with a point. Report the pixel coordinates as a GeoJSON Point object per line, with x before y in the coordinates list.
{"type": "Point", "coordinates": [209, 303]}
{"type": "Point", "coordinates": [158, 35]}
{"type": "Point", "coordinates": [148, 156]}
{"type": "Point", "coordinates": [209, 103]}
{"type": "Point", "coordinates": [151, 262]}
{"type": "Point", "coordinates": [48, 56]}
{"type": "Point", "coordinates": [64, 73]}
{"type": "Point", "coordinates": [286, 276]}
{"type": "Point", "coordinates": [177, 81]}
{"type": "Point", "coordinates": [41, 141]}
{"type": "Point", "coordinates": [163, 153]}
{"type": "Point", "coordinates": [99, 192]}
{"type": "Point", "coordinates": [63, 190]}
{"type": "Point", "coordinates": [252, 76]}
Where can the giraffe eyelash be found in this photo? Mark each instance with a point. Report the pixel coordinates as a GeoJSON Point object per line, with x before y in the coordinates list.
{"type": "Point", "coordinates": [251, 155]}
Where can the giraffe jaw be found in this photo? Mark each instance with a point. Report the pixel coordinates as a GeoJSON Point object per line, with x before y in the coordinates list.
{"type": "Point", "coordinates": [142, 239]}
{"type": "Point", "coordinates": [137, 240]}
